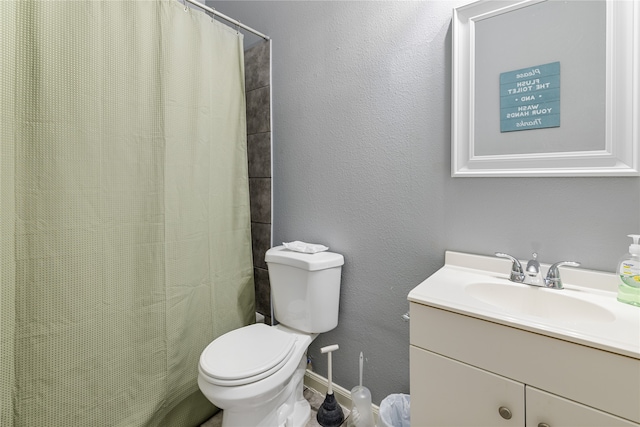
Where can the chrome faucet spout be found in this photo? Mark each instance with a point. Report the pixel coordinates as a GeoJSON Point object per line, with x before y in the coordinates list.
{"type": "Point", "coordinates": [533, 275]}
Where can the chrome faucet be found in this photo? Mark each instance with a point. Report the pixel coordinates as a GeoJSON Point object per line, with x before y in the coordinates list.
{"type": "Point", "coordinates": [532, 275]}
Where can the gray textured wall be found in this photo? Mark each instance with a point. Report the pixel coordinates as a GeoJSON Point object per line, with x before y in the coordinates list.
{"type": "Point", "coordinates": [361, 131]}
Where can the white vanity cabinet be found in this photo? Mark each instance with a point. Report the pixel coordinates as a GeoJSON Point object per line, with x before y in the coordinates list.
{"type": "Point", "coordinates": [471, 372]}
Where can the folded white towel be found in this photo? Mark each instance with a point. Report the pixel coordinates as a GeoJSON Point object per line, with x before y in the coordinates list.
{"type": "Point", "coordinates": [307, 248]}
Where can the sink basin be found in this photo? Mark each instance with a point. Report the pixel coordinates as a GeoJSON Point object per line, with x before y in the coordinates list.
{"type": "Point", "coordinates": [584, 312]}
{"type": "Point", "coordinates": [540, 302]}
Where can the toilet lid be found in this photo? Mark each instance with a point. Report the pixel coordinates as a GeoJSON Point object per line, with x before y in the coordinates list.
{"type": "Point", "coordinates": [246, 355]}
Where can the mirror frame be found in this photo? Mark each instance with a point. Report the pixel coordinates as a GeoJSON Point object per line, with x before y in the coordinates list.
{"type": "Point", "coordinates": [620, 157]}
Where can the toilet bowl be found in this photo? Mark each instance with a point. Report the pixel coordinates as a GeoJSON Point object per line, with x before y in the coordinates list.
{"type": "Point", "coordinates": [256, 373]}
{"type": "Point", "coordinates": [263, 389]}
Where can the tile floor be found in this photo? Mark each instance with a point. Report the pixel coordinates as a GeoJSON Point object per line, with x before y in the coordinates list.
{"type": "Point", "coordinates": [314, 398]}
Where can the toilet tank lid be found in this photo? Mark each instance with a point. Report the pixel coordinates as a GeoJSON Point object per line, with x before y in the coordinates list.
{"type": "Point", "coordinates": [310, 262]}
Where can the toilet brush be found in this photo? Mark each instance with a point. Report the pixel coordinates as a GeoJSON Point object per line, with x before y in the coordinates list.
{"type": "Point", "coordinates": [361, 414]}
{"type": "Point", "coordinates": [330, 412]}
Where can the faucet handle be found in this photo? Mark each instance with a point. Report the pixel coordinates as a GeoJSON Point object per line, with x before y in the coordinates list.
{"type": "Point", "coordinates": [553, 279]}
{"type": "Point", "coordinates": [517, 274]}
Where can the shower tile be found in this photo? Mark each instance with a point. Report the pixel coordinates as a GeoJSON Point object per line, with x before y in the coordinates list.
{"type": "Point", "coordinates": [258, 106]}
{"type": "Point", "coordinates": [261, 240]}
{"type": "Point", "coordinates": [259, 153]}
{"type": "Point", "coordinates": [263, 291]}
{"type": "Point", "coordinates": [259, 110]}
{"type": "Point", "coordinates": [260, 199]}
{"type": "Point", "coordinates": [257, 66]}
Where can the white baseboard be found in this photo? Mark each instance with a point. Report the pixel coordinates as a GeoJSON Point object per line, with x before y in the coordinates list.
{"type": "Point", "coordinates": [343, 396]}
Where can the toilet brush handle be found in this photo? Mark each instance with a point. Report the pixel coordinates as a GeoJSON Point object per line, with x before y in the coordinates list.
{"type": "Point", "coordinates": [361, 366]}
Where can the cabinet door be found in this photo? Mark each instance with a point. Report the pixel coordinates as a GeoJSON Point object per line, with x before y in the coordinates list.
{"type": "Point", "coordinates": [545, 409]}
{"type": "Point", "coordinates": [445, 392]}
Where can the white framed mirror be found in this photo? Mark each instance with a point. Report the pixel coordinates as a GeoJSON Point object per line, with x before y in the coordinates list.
{"type": "Point", "coordinates": [546, 88]}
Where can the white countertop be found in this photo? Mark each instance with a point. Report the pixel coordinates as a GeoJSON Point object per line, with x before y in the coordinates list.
{"type": "Point", "coordinates": [619, 332]}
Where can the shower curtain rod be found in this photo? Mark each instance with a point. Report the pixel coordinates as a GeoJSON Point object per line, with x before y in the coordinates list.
{"type": "Point", "coordinates": [226, 18]}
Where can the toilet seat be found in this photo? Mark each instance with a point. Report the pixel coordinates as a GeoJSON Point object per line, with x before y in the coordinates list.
{"type": "Point", "coordinates": [246, 355]}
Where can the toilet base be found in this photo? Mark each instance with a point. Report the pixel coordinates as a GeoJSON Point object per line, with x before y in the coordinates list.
{"type": "Point", "coordinates": [288, 408]}
{"type": "Point", "coordinates": [298, 418]}
{"type": "Point", "coordinates": [301, 414]}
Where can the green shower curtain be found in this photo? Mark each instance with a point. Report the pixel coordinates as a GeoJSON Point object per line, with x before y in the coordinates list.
{"type": "Point", "coordinates": [125, 241]}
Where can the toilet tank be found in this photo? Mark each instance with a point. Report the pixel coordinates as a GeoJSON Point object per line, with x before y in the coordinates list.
{"type": "Point", "coordinates": [305, 288]}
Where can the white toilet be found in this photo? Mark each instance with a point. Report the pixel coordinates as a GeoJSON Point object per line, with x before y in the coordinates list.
{"type": "Point", "coordinates": [255, 373]}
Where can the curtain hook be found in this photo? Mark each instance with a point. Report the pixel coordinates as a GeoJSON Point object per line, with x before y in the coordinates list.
{"type": "Point", "coordinates": [211, 14]}
{"type": "Point", "coordinates": [186, 8]}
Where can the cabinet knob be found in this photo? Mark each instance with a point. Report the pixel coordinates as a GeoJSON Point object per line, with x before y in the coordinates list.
{"type": "Point", "coordinates": [543, 425]}
{"type": "Point", "coordinates": [506, 414]}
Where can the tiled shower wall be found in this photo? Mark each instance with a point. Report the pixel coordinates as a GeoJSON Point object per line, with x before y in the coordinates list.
{"type": "Point", "coordinates": [258, 88]}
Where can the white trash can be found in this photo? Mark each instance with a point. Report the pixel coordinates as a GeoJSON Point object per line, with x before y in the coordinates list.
{"type": "Point", "coordinates": [394, 411]}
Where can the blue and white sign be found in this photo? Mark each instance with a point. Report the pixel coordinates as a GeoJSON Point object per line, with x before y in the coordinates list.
{"type": "Point", "coordinates": [530, 98]}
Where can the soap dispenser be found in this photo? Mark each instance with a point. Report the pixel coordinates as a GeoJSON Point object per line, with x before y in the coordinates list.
{"type": "Point", "coordinates": [629, 271]}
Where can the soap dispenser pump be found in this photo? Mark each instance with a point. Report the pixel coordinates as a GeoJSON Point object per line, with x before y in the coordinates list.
{"type": "Point", "coordinates": [629, 272]}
